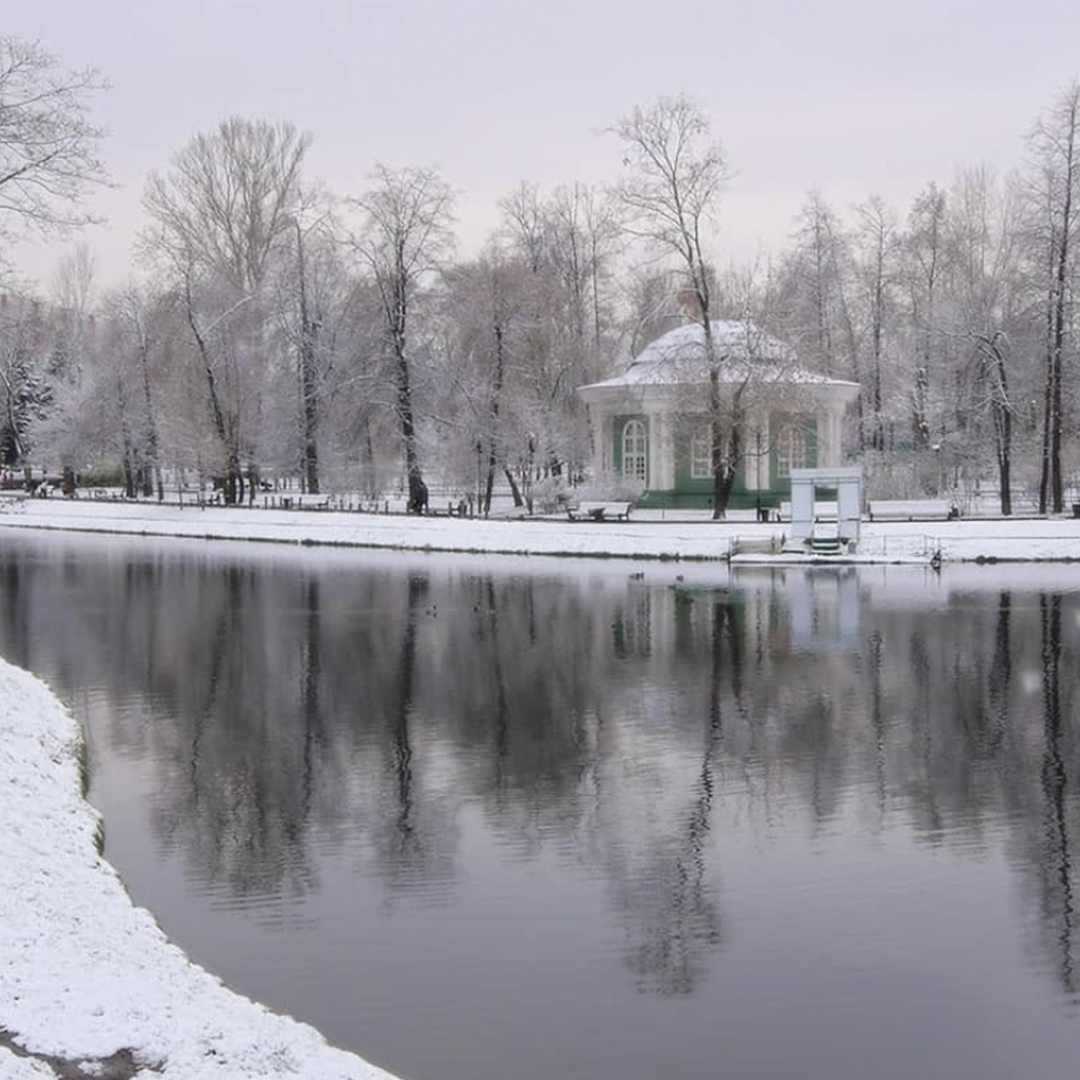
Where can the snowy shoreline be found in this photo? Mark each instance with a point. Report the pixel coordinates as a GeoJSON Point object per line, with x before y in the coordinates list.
{"type": "Point", "coordinates": [73, 944]}
{"type": "Point", "coordinates": [654, 535]}
{"type": "Point", "coordinates": [87, 976]}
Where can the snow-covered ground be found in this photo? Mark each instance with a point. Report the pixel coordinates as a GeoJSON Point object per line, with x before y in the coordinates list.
{"type": "Point", "coordinates": [84, 974]}
{"type": "Point", "coordinates": [86, 977]}
{"type": "Point", "coordinates": [649, 534]}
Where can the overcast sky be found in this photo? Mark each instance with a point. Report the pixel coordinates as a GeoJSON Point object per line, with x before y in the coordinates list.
{"type": "Point", "coordinates": [853, 97]}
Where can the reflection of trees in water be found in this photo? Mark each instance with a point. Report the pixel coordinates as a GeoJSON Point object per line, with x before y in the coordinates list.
{"type": "Point", "coordinates": [365, 709]}
{"type": "Point", "coordinates": [1002, 746]}
{"type": "Point", "coordinates": [667, 895]}
{"type": "Point", "coordinates": [235, 797]}
{"type": "Point", "coordinates": [514, 682]}
{"type": "Point", "coordinates": [311, 673]}
{"type": "Point", "coordinates": [14, 611]}
{"type": "Point", "coordinates": [409, 821]}
{"type": "Point", "coordinates": [1056, 864]}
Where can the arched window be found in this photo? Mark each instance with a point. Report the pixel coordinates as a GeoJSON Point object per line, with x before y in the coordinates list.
{"type": "Point", "coordinates": [634, 450]}
{"type": "Point", "coordinates": [790, 450]}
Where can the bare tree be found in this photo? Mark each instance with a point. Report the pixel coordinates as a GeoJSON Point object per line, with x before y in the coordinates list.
{"type": "Point", "coordinates": [925, 263]}
{"type": "Point", "coordinates": [526, 222]}
{"type": "Point", "coordinates": [650, 306]}
{"type": "Point", "coordinates": [73, 299]}
{"type": "Point", "coordinates": [48, 146]}
{"type": "Point", "coordinates": [676, 175]}
{"type": "Point", "coordinates": [568, 240]}
{"type": "Point", "coordinates": [983, 238]}
{"type": "Point", "coordinates": [105, 384]}
{"type": "Point", "coordinates": [25, 390]}
{"type": "Point", "coordinates": [816, 290]}
{"type": "Point", "coordinates": [223, 214]}
{"type": "Point", "coordinates": [308, 337]}
{"type": "Point", "coordinates": [319, 314]}
{"type": "Point", "coordinates": [489, 308]}
{"type": "Point", "coordinates": [405, 234]}
{"type": "Point", "coordinates": [73, 282]}
{"type": "Point", "coordinates": [877, 242]}
{"type": "Point", "coordinates": [1055, 142]}
{"type": "Point", "coordinates": [138, 317]}
{"type": "Point", "coordinates": [229, 199]}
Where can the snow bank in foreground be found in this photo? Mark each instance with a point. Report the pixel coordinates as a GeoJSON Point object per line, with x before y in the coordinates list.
{"type": "Point", "coordinates": [83, 972]}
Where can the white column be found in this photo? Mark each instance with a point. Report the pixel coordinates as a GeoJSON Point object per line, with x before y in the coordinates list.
{"type": "Point", "coordinates": [655, 449]}
{"type": "Point", "coordinates": [831, 456]}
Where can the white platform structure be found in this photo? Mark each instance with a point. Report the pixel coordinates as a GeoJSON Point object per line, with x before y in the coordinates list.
{"type": "Point", "coordinates": [826, 526]}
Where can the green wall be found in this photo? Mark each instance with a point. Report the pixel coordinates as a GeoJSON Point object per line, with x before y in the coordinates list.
{"type": "Point", "coordinates": [690, 492]}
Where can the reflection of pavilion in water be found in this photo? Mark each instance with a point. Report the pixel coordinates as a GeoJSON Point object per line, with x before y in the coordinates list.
{"type": "Point", "coordinates": [728, 675]}
{"type": "Point", "coordinates": [947, 711]}
{"type": "Point", "coordinates": [792, 609]}
{"type": "Point", "coordinates": [820, 605]}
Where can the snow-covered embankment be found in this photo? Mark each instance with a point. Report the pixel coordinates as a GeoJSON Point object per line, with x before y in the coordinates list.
{"type": "Point", "coordinates": [85, 976]}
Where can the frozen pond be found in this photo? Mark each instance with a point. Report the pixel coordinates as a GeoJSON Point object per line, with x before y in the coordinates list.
{"type": "Point", "coordinates": [476, 818]}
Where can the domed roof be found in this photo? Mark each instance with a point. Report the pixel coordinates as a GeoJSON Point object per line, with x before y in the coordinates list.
{"type": "Point", "coordinates": [732, 341]}
{"type": "Point", "coordinates": [742, 352]}
{"type": "Point", "coordinates": [679, 357]}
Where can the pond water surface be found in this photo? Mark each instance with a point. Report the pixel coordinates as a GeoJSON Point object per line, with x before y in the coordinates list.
{"type": "Point", "coordinates": [482, 819]}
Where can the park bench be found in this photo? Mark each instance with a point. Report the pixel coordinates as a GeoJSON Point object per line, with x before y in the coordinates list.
{"type": "Point", "coordinates": [911, 510]}
{"type": "Point", "coordinates": [599, 511]}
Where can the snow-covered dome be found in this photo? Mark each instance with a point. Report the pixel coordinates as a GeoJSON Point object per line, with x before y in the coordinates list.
{"type": "Point", "coordinates": [679, 356]}
{"type": "Point", "coordinates": [731, 341]}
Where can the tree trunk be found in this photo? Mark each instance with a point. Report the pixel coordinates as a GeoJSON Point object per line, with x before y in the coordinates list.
{"type": "Point", "coordinates": [396, 313]}
{"type": "Point", "coordinates": [716, 436]}
{"type": "Point", "coordinates": [727, 444]}
{"type": "Point", "coordinates": [1051, 485]}
{"type": "Point", "coordinates": [1004, 463]}
{"type": "Point", "coordinates": [127, 450]}
{"type": "Point", "coordinates": [1002, 411]}
{"type": "Point", "coordinates": [493, 411]}
{"type": "Point", "coordinates": [994, 375]}
{"type": "Point", "coordinates": [418, 493]}
{"type": "Point", "coordinates": [151, 424]}
{"type": "Point", "coordinates": [515, 491]}
{"type": "Point", "coordinates": [920, 423]}
{"type": "Point", "coordinates": [223, 426]}
{"type": "Point", "coordinates": [489, 481]}
{"type": "Point", "coordinates": [724, 482]}
{"type": "Point", "coordinates": [309, 412]}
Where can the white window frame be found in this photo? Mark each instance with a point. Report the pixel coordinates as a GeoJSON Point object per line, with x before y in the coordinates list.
{"type": "Point", "coordinates": [791, 450]}
{"type": "Point", "coordinates": [635, 450]}
{"type": "Point", "coordinates": [701, 453]}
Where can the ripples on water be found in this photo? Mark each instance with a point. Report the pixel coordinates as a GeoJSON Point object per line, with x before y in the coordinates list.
{"type": "Point", "coordinates": [533, 819]}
